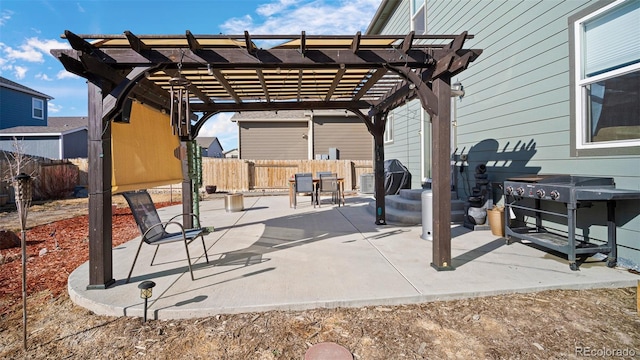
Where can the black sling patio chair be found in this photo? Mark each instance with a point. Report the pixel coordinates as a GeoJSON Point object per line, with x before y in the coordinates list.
{"type": "Point", "coordinates": [154, 231]}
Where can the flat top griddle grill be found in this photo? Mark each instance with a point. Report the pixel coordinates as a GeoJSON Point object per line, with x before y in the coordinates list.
{"type": "Point", "coordinates": [567, 188]}
{"type": "Point", "coordinates": [574, 191]}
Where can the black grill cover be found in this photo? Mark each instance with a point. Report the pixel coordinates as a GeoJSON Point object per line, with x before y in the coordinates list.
{"type": "Point", "coordinates": [396, 177]}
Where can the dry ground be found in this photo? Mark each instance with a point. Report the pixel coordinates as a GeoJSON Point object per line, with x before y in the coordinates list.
{"type": "Point", "coordinates": [546, 325]}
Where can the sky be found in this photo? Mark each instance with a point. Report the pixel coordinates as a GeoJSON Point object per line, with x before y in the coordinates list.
{"type": "Point", "coordinates": [29, 29]}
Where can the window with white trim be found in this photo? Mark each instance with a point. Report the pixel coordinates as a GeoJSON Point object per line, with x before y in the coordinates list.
{"type": "Point", "coordinates": [37, 108]}
{"type": "Point", "coordinates": [419, 16]}
{"type": "Point", "coordinates": [606, 72]}
{"type": "Point", "coordinates": [388, 129]}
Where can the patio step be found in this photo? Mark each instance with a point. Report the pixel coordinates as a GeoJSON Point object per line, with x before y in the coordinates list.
{"type": "Point", "coordinates": [406, 207]}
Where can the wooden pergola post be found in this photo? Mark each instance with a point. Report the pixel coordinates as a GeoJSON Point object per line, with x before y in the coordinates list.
{"type": "Point", "coordinates": [441, 166]}
{"type": "Point", "coordinates": [100, 160]}
{"type": "Point", "coordinates": [378, 127]}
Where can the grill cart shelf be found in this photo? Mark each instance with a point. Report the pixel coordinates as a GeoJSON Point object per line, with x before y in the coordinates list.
{"type": "Point", "coordinates": [573, 191]}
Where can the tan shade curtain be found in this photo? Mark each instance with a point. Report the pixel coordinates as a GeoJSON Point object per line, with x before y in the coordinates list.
{"type": "Point", "coordinates": [145, 151]}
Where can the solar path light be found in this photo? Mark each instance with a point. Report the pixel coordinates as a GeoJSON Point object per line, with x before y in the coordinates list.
{"type": "Point", "coordinates": [146, 291]}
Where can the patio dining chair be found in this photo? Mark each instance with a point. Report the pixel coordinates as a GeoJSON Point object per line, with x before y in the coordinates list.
{"type": "Point", "coordinates": [329, 184]}
{"type": "Point", "coordinates": [154, 231]}
{"type": "Point", "coordinates": [303, 184]}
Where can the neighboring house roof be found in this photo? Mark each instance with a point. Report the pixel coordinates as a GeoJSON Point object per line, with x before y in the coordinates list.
{"type": "Point", "coordinates": [6, 83]}
{"type": "Point", "coordinates": [56, 126]}
{"type": "Point", "coordinates": [382, 16]}
{"type": "Point", "coordinates": [205, 142]}
{"type": "Point", "coordinates": [230, 151]}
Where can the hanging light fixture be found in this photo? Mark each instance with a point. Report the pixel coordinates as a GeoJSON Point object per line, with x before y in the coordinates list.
{"type": "Point", "coordinates": [180, 113]}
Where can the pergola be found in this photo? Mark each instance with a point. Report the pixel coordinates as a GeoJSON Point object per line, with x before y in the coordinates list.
{"type": "Point", "coordinates": [368, 75]}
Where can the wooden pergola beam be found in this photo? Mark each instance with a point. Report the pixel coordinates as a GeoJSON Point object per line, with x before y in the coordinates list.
{"type": "Point", "coordinates": [407, 42]}
{"type": "Point", "coordinates": [192, 88]}
{"type": "Point", "coordinates": [251, 48]}
{"type": "Point", "coordinates": [303, 43]}
{"type": "Point", "coordinates": [236, 58]}
{"type": "Point", "coordinates": [355, 44]}
{"type": "Point", "coordinates": [223, 81]}
{"type": "Point", "coordinates": [263, 83]}
{"type": "Point", "coordinates": [335, 83]}
{"type": "Point", "coordinates": [280, 105]}
{"type": "Point", "coordinates": [377, 75]}
{"type": "Point", "coordinates": [194, 45]}
{"type": "Point", "coordinates": [136, 43]}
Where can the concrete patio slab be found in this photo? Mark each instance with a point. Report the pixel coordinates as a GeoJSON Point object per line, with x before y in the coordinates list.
{"type": "Point", "coordinates": [273, 257]}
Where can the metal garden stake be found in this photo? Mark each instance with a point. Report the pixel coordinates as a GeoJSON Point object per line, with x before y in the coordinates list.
{"type": "Point", "coordinates": [23, 194]}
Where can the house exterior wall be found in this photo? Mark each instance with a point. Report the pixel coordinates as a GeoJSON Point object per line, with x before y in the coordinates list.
{"type": "Point", "coordinates": [214, 150]}
{"type": "Point", "coordinates": [405, 145]}
{"type": "Point", "coordinates": [273, 140]}
{"type": "Point", "coordinates": [16, 109]}
{"type": "Point", "coordinates": [75, 145]}
{"type": "Point", "coordinates": [348, 135]}
{"type": "Point", "coordinates": [42, 146]}
{"type": "Point", "coordinates": [515, 116]}
{"type": "Point", "coordinates": [408, 132]}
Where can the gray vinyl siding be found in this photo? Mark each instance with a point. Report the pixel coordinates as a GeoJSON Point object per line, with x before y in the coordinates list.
{"type": "Point", "coordinates": [41, 146]}
{"type": "Point", "coordinates": [75, 145]}
{"type": "Point", "coordinates": [515, 115]}
{"type": "Point", "coordinates": [405, 146]}
{"type": "Point", "coordinates": [348, 135]}
{"type": "Point", "coordinates": [273, 140]}
{"type": "Point", "coordinates": [400, 21]}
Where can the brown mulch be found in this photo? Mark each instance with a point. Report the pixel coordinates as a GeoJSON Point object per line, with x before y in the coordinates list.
{"type": "Point", "coordinates": [54, 250]}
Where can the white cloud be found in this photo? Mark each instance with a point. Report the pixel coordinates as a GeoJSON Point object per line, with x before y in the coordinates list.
{"type": "Point", "coordinates": [274, 8]}
{"type": "Point", "coordinates": [237, 25]}
{"type": "Point", "coordinates": [80, 8]}
{"type": "Point", "coordinates": [20, 72]}
{"type": "Point", "coordinates": [5, 16]}
{"type": "Point", "coordinates": [315, 18]}
{"type": "Point", "coordinates": [24, 53]}
{"type": "Point", "coordinates": [32, 50]}
{"type": "Point", "coordinates": [53, 108]}
{"type": "Point", "coordinates": [223, 128]}
{"type": "Point", "coordinates": [46, 45]}
{"type": "Point", "coordinates": [64, 74]}
{"type": "Point", "coordinates": [44, 77]}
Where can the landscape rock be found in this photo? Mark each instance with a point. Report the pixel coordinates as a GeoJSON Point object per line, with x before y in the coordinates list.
{"type": "Point", "coordinates": [8, 239]}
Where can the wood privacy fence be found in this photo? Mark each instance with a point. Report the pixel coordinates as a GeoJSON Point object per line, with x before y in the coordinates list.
{"type": "Point", "coordinates": [55, 178]}
{"type": "Point", "coordinates": [245, 175]}
{"type": "Point", "coordinates": [52, 179]}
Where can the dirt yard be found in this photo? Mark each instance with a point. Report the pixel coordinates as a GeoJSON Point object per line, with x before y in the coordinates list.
{"type": "Point", "coordinates": [601, 323]}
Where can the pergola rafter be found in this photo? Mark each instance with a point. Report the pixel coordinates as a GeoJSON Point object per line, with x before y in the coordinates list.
{"type": "Point", "coordinates": [369, 75]}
